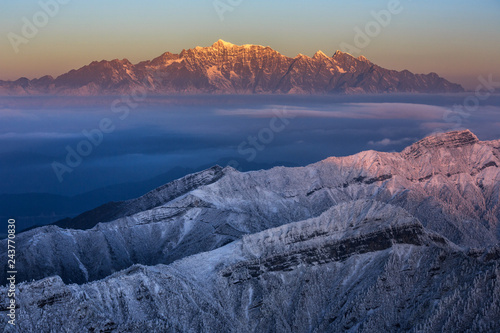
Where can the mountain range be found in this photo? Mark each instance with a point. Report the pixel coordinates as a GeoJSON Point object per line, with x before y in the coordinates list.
{"type": "Point", "coordinates": [225, 68]}
{"type": "Point", "coordinates": [373, 242]}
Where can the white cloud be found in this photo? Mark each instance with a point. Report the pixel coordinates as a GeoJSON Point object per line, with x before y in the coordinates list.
{"type": "Point", "coordinates": [388, 142]}
{"type": "Point", "coordinates": [347, 110]}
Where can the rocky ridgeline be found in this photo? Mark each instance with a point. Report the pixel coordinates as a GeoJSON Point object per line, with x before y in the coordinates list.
{"type": "Point", "coordinates": [225, 68]}
{"type": "Point", "coordinates": [451, 186]}
{"type": "Point", "coordinates": [361, 266]}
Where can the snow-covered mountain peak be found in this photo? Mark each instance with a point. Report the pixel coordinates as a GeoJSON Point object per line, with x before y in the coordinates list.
{"type": "Point", "coordinates": [362, 58]}
{"type": "Point", "coordinates": [165, 59]}
{"type": "Point", "coordinates": [224, 68]}
{"type": "Point", "coordinates": [339, 53]}
{"type": "Point", "coordinates": [123, 61]}
{"type": "Point", "coordinates": [301, 56]}
{"type": "Point", "coordinates": [222, 44]}
{"type": "Point", "coordinates": [320, 54]}
{"type": "Point", "coordinates": [452, 139]}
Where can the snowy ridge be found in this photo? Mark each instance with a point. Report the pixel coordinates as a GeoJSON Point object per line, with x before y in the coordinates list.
{"type": "Point", "coordinates": [453, 190]}
{"type": "Point", "coordinates": [407, 280]}
{"type": "Point", "coordinates": [370, 226]}
{"type": "Point", "coordinates": [373, 242]}
{"type": "Point", "coordinates": [154, 198]}
{"type": "Point", "coordinates": [444, 140]}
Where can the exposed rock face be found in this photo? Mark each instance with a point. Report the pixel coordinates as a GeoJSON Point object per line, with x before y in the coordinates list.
{"type": "Point", "coordinates": [446, 140]}
{"type": "Point", "coordinates": [225, 68]}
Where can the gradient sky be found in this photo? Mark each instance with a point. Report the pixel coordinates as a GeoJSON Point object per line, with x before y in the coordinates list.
{"type": "Point", "coordinates": [458, 39]}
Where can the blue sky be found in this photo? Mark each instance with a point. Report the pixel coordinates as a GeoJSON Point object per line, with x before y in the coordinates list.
{"type": "Point", "coordinates": [457, 39]}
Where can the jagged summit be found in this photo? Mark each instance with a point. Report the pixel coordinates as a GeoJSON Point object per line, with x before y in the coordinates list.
{"type": "Point", "coordinates": [319, 54]}
{"type": "Point", "coordinates": [222, 43]}
{"type": "Point", "coordinates": [450, 139]}
{"type": "Point", "coordinates": [226, 68]}
{"type": "Point", "coordinates": [339, 53]}
{"type": "Point", "coordinates": [446, 140]}
{"type": "Point", "coordinates": [362, 58]}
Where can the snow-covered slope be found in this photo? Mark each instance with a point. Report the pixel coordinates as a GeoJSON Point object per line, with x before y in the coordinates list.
{"type": "Point", "coordinates": [450, 182]}
{"type": "Point", "coordinates": [361, 266]}
{"type": "Point", "coordinates": [161, 195]}
{"type": "Point", "coordinates": [373, 242]}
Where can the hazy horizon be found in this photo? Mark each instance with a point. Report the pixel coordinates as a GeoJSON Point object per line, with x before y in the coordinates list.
{"type": "Point", "coordinates": [192, 131]}
{"type": "Point", "coordinates": [456, 39]}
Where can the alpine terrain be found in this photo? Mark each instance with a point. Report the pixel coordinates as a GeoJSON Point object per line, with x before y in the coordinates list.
{"type": "Point", "coordinates": [225, 68]}
{"type": "Point", "coordinates": [373, 242]}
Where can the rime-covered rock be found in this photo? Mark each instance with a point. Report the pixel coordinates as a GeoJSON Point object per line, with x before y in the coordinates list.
{"type": "Point", "coordinates": [450, 182]}
{"type": "Point", "coordinates": [361, 266]}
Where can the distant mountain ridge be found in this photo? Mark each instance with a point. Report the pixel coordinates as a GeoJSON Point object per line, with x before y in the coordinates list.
{"type": "Point", "coordinates": [225, 68]}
